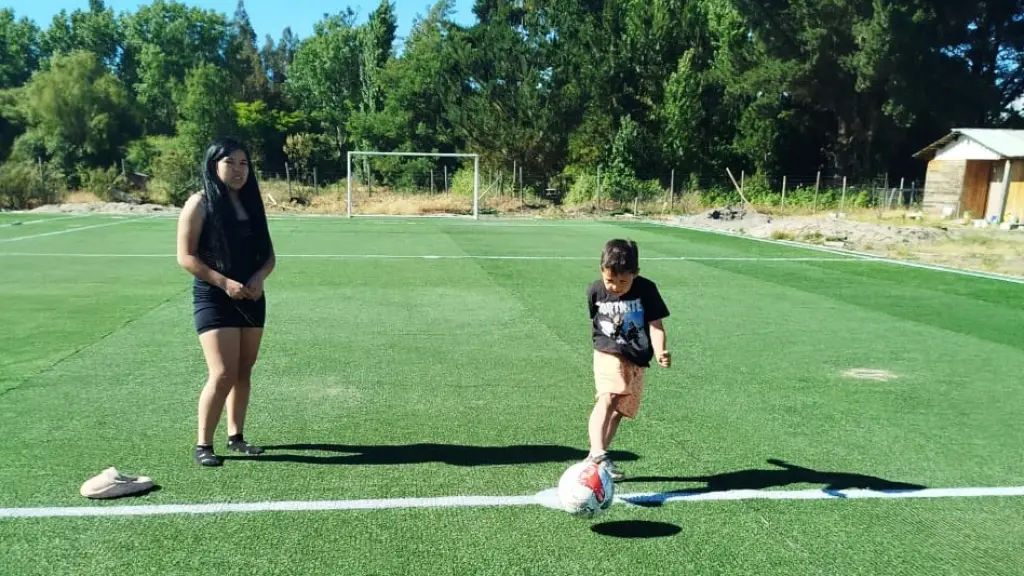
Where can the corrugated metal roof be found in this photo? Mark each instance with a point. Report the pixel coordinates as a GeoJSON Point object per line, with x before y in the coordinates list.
{"type": "Point", "coordinates": [1006, 143]}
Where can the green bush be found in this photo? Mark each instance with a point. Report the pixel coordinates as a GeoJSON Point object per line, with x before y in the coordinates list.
{"type": "Point", "coordinates": [306, 151]}
{"type": "Point", "coordinates": [462, 183]}
{"type": "Point", "coordinates": [101, 181]}
{"type": "Point", "coordinates": [582, 190]}
{"type": "Point", "coordinates": [621, 186]}
{"type": "Point", "coordinates": [176, 172]}
{"type": "Point", "coordinates": [26, 184]}
{"type": "Point", "coordinates": [141, 155]}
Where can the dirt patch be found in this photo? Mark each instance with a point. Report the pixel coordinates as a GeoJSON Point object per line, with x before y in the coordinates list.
{"type": "Point", "coordinates": [947, 243]}
{"type": "Point", "coordinates": [815, 229]}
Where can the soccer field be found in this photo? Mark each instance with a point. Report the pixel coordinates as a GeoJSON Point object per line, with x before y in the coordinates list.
{"type": "Point", "coordinates": [424, 382]}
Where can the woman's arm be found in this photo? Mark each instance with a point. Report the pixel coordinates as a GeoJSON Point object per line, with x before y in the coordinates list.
{"type": "Point", "coordinates": [190, 224]}
{"type": "Point", "coordinates": [269, 265]}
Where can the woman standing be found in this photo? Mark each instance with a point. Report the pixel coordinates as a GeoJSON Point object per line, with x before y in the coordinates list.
{"type": "Point", "coordinates": [224, 242]}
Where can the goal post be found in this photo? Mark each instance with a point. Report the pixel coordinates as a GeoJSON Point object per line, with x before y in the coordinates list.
{"type": "Point", "coordinates": [355, 154]}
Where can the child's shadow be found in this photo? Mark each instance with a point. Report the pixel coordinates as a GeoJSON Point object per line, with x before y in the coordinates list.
{"type": "Point", "coordinates": [757, 479]}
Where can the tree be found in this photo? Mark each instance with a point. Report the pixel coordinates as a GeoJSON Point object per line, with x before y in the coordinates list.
{"type": "Point", "coordinates": [323, 78]}
{"type": "Point", "coordinates": [206, 108]}
{"type": "Point", "coordinates": [505, 101]}
{"type": "Point", "coordinates": [78, 110]}
{"type": "Point", "coordinates": [163, 42]}
{"type": "Point", "coordinates": [94, 30]}
{"type": "Point", "coordinates": [243, 59]}
{"type": "Point", "coordinates": [19, 49]}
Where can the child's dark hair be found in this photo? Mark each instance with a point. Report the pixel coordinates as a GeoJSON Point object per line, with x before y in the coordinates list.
{"type": "Point", "coordinates": [620, 257]}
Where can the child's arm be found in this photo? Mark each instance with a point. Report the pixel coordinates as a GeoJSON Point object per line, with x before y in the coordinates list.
{"type": "Point", "coordinates": [658, 341]}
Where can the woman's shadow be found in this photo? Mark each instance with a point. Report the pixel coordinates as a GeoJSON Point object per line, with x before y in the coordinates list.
{"type": "Point", "coordinates": [757, 479]}
{"type": "Point", "coordinates": [400, 454]}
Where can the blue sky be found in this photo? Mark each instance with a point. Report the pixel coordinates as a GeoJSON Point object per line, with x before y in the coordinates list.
{"type": "Point", "coordinates": [267, 16]}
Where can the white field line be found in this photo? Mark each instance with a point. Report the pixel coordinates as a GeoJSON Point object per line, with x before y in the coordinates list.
{"type": "Point", "coordinates": [70, 230]}
{"type": "Point", "coordinates": [453, 257]}
{"type": "Point", "coordinates": [849, 253]}
{"type": "Point", "coordinates": [547, 499]}
{"type": "Point", "coordinates": [43, 220]}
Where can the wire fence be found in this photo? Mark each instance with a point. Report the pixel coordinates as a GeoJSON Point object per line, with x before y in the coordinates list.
{"type": "Point", "coordinates": [422, 184]}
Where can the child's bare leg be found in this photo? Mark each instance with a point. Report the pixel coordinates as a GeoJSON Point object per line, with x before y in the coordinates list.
{"type": "Point", "coordinates": [600, 419]}
{"type": "Point", "coordinates": [611, 426]}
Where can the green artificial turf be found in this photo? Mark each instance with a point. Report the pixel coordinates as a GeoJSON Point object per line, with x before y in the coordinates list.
{"type": "Point", "coordinates": [390, 377]}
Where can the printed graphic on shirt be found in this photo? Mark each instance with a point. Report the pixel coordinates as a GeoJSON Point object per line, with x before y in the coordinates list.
{"type": "Point", "coordinates": [623, 323]}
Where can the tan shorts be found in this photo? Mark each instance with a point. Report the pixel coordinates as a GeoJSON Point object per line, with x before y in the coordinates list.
{"type": "Point", "coordinates": [622, 379]}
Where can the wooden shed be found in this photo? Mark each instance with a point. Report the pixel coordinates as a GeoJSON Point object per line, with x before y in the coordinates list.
{"type": "Point", "coordinates": [977, 172]}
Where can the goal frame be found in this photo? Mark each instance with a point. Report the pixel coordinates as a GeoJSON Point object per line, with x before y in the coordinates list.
{"type": "Point", "coordinates": [476, 171]}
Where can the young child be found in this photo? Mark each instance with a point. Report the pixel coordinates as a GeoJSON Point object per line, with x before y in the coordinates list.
{"type": "Point", "coordinates": [626, 312]}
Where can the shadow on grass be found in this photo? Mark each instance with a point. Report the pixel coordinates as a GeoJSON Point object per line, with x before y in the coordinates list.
{"type": "Point", "coordinates": [636, 529]}
{"type": "Point", "coordinates": [453, 454]}
{"type": "Point", "coordinates": [757, 479]}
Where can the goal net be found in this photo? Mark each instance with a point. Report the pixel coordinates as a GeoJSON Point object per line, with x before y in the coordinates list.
{"type": "Point", "coordinates": [413, 184]}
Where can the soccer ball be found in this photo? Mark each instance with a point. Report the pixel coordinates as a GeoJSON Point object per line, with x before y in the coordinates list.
{"type": "Point", "coordinates": [586, 489]}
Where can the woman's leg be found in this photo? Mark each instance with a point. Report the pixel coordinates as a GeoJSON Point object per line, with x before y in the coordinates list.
{"type": "Point", "coordinates": [221, 350]}
{"type": "Point", "coordinates": [238, 399]}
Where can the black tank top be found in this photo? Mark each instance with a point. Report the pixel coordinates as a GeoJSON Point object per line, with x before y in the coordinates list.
{"type": "Point", "coordinates": [245, 258]}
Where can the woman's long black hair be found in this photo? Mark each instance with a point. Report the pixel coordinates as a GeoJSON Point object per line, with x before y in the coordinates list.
{"type": "Point", "coordinates": [220, 214]}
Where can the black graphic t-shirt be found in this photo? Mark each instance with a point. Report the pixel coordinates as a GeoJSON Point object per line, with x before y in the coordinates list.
{"type": "Point", "coordinates": [622, 324]}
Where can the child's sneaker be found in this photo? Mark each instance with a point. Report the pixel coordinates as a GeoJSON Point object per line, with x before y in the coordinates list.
{"type": "Point", "coordinates": [613, 470]}
{"type": "Point", "coordinates": [608, 464]}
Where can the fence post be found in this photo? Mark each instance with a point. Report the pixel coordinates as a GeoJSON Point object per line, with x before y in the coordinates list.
{"type": "Point", "coordinates": [522, 192]}
{"type": "Point", "coordinates": [817, 188]}
{"type": "Point", "coordinates": [783, 191]}
{"type": "Point", "coordinates": [672, 190]}
{"type": "Point", "coordinates": [842, 203]}
{"type": "Point", "coordinates": [288, 177]}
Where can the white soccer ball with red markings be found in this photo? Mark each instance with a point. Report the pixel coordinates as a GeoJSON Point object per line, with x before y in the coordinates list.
{"type": "Point", "coordinates": [586, 489]}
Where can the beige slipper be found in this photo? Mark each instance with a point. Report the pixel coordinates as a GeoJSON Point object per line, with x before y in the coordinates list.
{"type": "Point", "coordinates": [112, 484]}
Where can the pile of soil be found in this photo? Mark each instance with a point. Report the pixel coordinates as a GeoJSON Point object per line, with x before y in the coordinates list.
{"type": "Point", "coordinates": [106, 208]}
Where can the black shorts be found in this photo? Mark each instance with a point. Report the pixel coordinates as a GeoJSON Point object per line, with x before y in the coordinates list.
{"type": "Point", "coordinates": [223, 312]}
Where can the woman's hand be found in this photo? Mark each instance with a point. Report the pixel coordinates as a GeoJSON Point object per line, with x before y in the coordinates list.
{"type": "Point", "coordinates": [235, 289]}
{"type": "Point", "coordinates": [254, 288]}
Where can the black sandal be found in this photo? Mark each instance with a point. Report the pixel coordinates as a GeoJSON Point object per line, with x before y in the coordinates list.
{"type": "Point", "coordinates": [244, 447]}
{"type": "Point", "coordinates": [205, 457]}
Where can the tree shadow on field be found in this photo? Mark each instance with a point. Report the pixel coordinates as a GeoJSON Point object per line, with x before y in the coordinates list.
{"type": "Point", "coordinates": [453, 454]}
{"type": "Point", "coordinates": [757, 479]}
